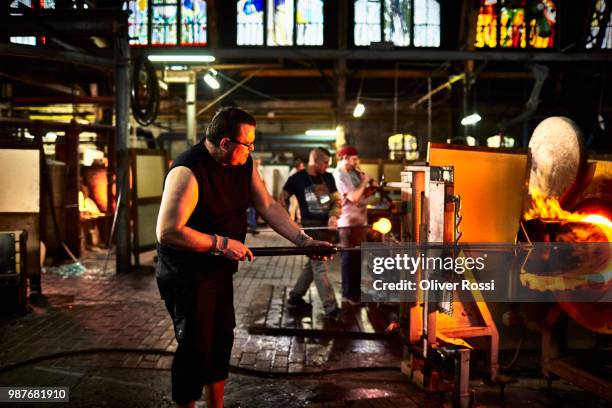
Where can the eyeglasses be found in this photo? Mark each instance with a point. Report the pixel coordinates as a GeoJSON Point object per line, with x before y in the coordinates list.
{"type": "Point", "coordinates": [249, 146]}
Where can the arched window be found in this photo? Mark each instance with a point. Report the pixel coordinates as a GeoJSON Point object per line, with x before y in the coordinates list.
{"type": "Point", "coordinates": [396, 21]}
{"type": "Point", "coordinates": [286, 22]}
{"type": "Point", "coordinates": [163, 22]}
{"type": "Point", "coordinates": [516, 24]}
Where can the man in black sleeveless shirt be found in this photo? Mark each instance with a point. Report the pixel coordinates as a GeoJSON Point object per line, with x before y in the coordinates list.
{"type": "Point", "coordinates": [201, 229]}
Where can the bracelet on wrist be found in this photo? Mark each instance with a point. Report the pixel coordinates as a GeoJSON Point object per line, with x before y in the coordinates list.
{"type": "Point", "coordinates": [214, 249]}
{"type": "Point", "coordinates": [302, 239]}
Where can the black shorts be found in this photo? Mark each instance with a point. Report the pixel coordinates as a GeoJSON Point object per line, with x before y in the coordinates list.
{"type": "Point", "coordinates": [203, 316]}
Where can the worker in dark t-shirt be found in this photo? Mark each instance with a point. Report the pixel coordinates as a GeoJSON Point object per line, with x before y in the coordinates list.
{"type": "Point", "coordinates": [319, 203]}
{"type": "Point", "coordinates": [201, 229]}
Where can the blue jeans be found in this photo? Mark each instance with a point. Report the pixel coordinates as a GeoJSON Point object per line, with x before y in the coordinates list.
{"type": "Point", "coordinates": [351, 263]}
{"type": "Point", "coordinates": [252, 218]}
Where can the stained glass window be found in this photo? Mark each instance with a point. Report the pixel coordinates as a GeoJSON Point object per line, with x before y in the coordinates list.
{"type": "Point", "coordinates": [516, 24]}
{"type": "Point", "coordinates": [45, 4]}
{"type": "Point", "coordinates": [16, 4]}
{"type": "Point", "coordinates": [513, 30]}
{"type": "Point", "coordinates": [607, 40]}
{"type": "Point", "coordinates": [167, 22]}
{"type": "Point", "coordinates": [287, 22]}
{"type": "Point", "coordinates": [400, 21]}
{"type": "Point", "coordinates": [138, 22]}
{"type": "Point", "coordinates": [250, 22]}
{"type": "Point", "coordinates": [542, 27]}
{"type": "Point", "coordinates": [309, 22]}
{"type": "Point", "coordinates": [601, 11]}
{"type": "Point", "coordinates": [397, 15]}
{"type": "Point", "coordinates": [164, 30]}
{"type": "Point", "coordinates": [280, 22]}
{"type": "Point", "coordinates": [426, 23]}
{"type": "Point", "coordinates": [486, 26]}
{"type": "Point", "coordinates": [193, 22]}
{"type": "Point", "coordinates": [367, 22]}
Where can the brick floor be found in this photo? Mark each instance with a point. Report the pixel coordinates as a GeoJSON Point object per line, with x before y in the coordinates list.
{"type": "Point", "coordinates": [103, 310]}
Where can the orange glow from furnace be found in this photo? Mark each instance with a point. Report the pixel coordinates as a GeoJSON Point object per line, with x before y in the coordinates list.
{"type": "Point", "coordinates": [549, 209]}
{"type": "Point", "coordinates": [87, 205]}
{"type": "Point", "coordinates": [580, 227]}
{"type": "Point", "coordinates": [597, 219]}
{"type": "Point", "coordinates": [383, 225]}
{"type": "Point", "coordinates": [593, 271]}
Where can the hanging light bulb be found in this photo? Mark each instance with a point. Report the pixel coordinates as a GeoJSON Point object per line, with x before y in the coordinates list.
{"type": "Point", "coordinates": [359, 110]}
{"type": "Point", "coordinates": [360, 107]}
{"type": "Point", "coordinates": [471, 119]}
{"type": "Point", "coordinates": [211, 79]}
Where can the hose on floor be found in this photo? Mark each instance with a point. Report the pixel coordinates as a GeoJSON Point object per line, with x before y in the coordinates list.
{"type": "Point", "coordinates": [233, 368]}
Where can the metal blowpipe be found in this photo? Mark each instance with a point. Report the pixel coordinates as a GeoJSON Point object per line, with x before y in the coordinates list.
{"type": "Point", "coordinates": [322, 250]}
{"type": "Point", "coordinates": [325, 250]}
{"type": "Point", "coordinates": [320, 228]}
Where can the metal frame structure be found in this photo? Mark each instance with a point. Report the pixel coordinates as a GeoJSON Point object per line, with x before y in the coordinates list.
{"type": "Point", "coordinates": [86, 23]}
{"type": "Point", "coordinates": [433, 217]}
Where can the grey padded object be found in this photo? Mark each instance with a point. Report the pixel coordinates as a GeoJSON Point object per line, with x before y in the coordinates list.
{"type": "Point", "coordinates": [556, 157]}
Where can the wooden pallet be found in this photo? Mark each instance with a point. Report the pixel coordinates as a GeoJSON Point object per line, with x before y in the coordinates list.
{"type": "Point", "coordinates": [271, 315]}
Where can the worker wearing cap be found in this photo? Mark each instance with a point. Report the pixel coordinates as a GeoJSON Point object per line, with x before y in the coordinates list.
{"type": "Point", "coordinates": [354, 187]}
{"type": "Point", "coordinates": [201, 229]}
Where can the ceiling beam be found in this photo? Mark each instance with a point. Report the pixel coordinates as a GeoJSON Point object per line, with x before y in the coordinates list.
{"type": "Point", "coordinates": [376, 73]}
{"type": "Point", "coordinates": [42, 83]}
{"type": "Point", "coordinates": [306, 105]}
{"type": "Point", "coordinates": [64, 22]}
{"type": "Point", "coordinates": [46, 54]}
{"type": "Point", "coordinates": [53, 125]}
{"type": "Point", "coordinates": [411, 54]}
{"type": "Point", "coordinates": [51, 100]}
{"type": "Point", "coordinates": [298, 137]}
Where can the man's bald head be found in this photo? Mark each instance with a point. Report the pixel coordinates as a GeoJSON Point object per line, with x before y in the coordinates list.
{"type": "Point", "coordinates": [318, 153]}
{"type": "Point", "coordinates": [319, 159]}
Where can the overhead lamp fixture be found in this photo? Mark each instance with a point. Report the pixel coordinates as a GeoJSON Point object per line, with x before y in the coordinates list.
{"type": "Point", "coordinates": [211, 79]}
{"type": "Point", "coordinates": [359, 110]}
{"type": "Point", "coordinates": [181, 58]}
{"type": "Point", "coordinates": [321, 132]}
{"type": "Point", "coordinates": [178, 68]}
{"type": "Point", "coordinates": [360, 107]}
{"type": "Point", "coordinates": [471, 119]}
